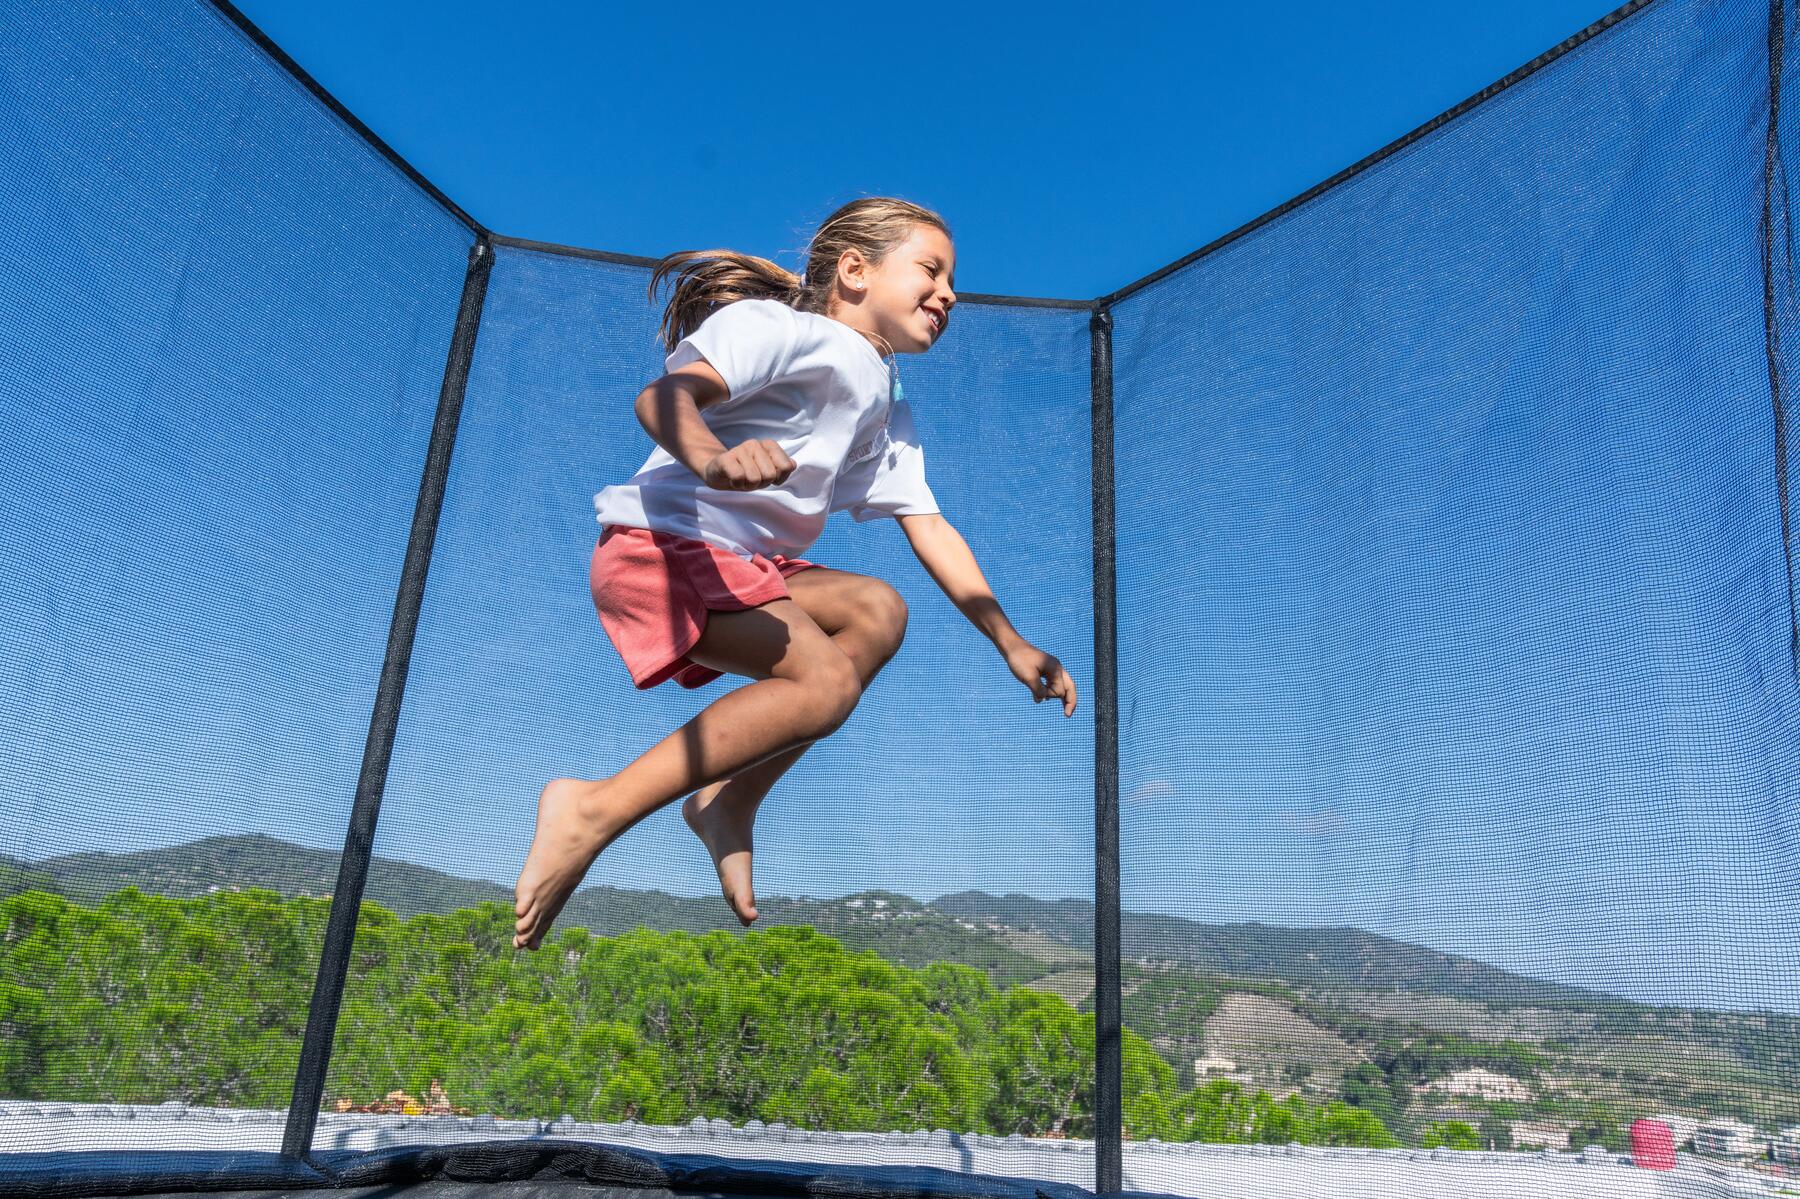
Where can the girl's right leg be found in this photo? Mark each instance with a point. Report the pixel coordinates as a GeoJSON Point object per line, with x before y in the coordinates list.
{"type": "Point", "coordinates": [806, 687]}
{"type": "Point", "coordinates": [866, 619]}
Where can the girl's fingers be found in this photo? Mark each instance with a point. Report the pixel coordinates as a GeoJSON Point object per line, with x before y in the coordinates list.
{"type": "Point", "coordinates": [757, 465]}
{"type": "Point", "coordinates": [752, 465]}
{"type": "Point", "coordinates": [734, 469]}
{"type": "Point", "coordinates": [770, 458]}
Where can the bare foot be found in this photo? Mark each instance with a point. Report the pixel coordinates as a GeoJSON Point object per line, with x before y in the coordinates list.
{"type": "Point", "coordinates": [725, 829]}
{"type": "Point", "coordinates": [573, 826]}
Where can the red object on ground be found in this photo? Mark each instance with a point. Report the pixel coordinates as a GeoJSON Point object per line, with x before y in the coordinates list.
{"type": "Point", "coordinates": [1652, 1145]}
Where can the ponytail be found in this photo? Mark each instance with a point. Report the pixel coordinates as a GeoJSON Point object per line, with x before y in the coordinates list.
{"type": "Point", "coordinates": [706, 280]}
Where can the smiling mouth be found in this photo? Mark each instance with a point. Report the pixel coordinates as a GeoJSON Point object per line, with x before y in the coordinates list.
{"type": "Point", "coordinates": [937, 322]}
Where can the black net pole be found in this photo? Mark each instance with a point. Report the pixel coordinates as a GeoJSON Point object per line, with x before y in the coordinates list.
{"type": "Point", "coordinates": [359, 840]}
{"type": "Point", "coordinates": [1109, 1124]}
{"type": "Point", "coordinates": [1775, 213]}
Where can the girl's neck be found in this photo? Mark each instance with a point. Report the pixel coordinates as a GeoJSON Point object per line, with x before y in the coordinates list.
{"type": "Point", "coordinates": [875, 340]}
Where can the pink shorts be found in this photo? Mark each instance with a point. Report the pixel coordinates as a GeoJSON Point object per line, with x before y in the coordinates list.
{"type": "Point", "coordinates": [653, 591]}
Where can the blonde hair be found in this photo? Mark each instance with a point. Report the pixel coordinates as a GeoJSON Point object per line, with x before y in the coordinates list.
{"type": "Point", "coordinates": [707, 280]}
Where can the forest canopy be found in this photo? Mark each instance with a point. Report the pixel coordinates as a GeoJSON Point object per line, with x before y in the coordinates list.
{"type": "Point", "coordinates": [143, 999]}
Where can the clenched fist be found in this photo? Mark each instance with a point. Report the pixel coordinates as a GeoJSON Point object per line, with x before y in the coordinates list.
{"type": "Point", "coordinates": [748, 466]}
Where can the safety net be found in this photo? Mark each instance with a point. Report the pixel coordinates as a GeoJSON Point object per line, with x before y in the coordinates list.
{"type": "Point", "coordinates": [1422, 552]}
{"type": "Point", "coordinates": [225, 320]}
{"type": "Point", "coordinates": [1457, 667]}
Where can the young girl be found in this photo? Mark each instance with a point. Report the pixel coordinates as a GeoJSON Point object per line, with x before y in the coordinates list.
{"type": "Point", "coordinates": [780, 406]}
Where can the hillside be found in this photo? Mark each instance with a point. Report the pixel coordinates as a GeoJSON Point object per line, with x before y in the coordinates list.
{"type": "Point", "coordinates": [1013, 937]}
{"type": "Point", "coordinates": [1306, 957]}
{"type": "Point", "coordinates": [899, 928]}
{"type": "Point", "coordinates": [1325, 1012]}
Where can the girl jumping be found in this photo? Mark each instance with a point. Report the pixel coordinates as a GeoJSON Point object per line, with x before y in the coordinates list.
{"type": "Point", "coordinates": [780, 405]}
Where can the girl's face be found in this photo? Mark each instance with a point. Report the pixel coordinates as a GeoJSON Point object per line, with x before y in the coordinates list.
{"type": "Point", "coordinates": [907, 299]}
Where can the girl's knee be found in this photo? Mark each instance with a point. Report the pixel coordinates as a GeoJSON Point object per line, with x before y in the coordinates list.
{"type": "Point", "coordinates": [832, 687]}
{"type": "Point", "coordinates": [886, 612]}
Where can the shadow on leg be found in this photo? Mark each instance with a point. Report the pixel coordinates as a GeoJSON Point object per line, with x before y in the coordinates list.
{"type": "Point", "coordinates": [866, 620]}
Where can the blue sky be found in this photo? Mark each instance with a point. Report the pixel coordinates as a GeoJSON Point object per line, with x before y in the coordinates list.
{"type": "Point", "coordinates": [1417, 634]}
{"type": "Point", "coordinates": [1070, 151]}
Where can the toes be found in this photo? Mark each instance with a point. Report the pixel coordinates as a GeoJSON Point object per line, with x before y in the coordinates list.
{"type": "Point", "coordinates": [742, 905]}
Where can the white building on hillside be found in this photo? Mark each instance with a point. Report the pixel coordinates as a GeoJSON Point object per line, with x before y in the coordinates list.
{"type": "Point", "coordinates": [1785, 1147]}
{"type": "Point", "coordinates": [1727, 1138]}
{"type": "Point", "coordinates": [1210, 1069]}
{"type": "Point", "coordinates": [1481, 1084]}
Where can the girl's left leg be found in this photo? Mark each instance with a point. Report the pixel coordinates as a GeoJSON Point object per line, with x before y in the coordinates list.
{"type": "Point", "coordinates": [866, 619]}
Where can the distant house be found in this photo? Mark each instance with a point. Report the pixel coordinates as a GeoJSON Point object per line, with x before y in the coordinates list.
{"type": "Point", "coordinates": [1480, 1084]}
{"type": "Point", "coordinates": [1727, 1138]}
{"type": "Point", "coordinates": [1785, 1147]}
{"type": "Point", "coordinates": [1210, 1069]}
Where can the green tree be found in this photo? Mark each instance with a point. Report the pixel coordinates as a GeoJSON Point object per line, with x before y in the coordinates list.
{"type": "Point", "coordinates": [1496, 1131]}
{"type": "Point", "coordinates": [1451, 1134]}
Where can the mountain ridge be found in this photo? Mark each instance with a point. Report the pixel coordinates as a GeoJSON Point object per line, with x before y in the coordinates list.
{"type": "Point", "coordinates": [962, 926]}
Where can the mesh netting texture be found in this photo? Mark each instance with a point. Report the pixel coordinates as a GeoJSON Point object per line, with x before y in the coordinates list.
{"type": "Point", "coordinates": [1457, 722]}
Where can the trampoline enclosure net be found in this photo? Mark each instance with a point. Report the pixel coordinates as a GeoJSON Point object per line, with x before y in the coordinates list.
{"type": "Point", "coordinates": [1456, 664]}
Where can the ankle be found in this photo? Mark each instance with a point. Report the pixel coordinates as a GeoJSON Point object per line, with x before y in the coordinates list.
{"type": "Point", "coordinates": [591, 798]}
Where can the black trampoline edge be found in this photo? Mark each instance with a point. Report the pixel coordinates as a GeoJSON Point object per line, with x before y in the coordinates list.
{"type": "Point", "coordinates": [384, 720]}
{"type": "Point", "coordinates": [547, 247]}
{"type": "Point", "coordinates": [168, 1172]}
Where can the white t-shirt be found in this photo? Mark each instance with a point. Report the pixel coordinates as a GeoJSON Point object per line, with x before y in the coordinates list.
{"type": "Point", "coordinates": [818, 389]}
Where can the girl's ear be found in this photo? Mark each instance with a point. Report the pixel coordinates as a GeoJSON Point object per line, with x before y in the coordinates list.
{"type": "Point", "coordinates": [853, 271]}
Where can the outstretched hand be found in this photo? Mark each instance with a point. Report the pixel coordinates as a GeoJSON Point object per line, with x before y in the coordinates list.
{"type": "Point", "coordinates": [1043, 674]}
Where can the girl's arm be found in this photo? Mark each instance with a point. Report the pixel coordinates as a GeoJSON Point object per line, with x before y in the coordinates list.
{"type": "Point", "coordinates": [948, 559]}
{"type": "Point", "coordinates": [669, 410]}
